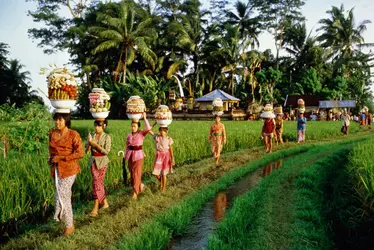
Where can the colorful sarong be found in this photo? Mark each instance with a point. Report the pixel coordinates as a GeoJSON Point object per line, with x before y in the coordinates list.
{"type": "Point", "coordinates": [217, 147]}
{"type": "Point", "coordinates": [162, 164]}
{"type": "Point", "coordinates": [63, 207]}
{"type": "Point", "coordinates": [135, 168]}
{"type": "Point", "coordinates": [98, 189]}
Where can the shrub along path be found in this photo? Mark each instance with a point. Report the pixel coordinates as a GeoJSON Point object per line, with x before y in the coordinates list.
{"type": "Point", "coordinates": [125, 215]}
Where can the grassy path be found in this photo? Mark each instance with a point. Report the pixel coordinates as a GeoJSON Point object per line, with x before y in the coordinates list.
{"type": "Point", "coordinates": [285, 211]}
{"type": "Point", "coordinates": [125, 216]}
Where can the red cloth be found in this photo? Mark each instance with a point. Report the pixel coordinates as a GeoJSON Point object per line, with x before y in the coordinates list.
{"type": "Point", "coordinates": [135, 168]}
{"type": "Point", "coordinates": [98, 189]}
{"type": "Point", "coordinates": [269, 126]}
{"type": "Point", "coordinates": [97, 154]}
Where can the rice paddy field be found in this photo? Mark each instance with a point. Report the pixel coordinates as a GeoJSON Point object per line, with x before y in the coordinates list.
{"type": "Point", "coordinates": [26, 188]}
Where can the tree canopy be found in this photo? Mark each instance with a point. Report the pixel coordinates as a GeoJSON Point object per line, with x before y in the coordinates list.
{"type": "Point", "coordinates": [151, 40]}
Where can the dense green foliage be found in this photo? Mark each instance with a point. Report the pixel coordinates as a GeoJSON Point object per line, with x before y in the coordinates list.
{"type": "Point", "coordinates": [208, 49]}
{"type": "Point", "coordinates": [25, 129]}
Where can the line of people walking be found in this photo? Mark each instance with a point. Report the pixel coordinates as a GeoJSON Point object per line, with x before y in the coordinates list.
{"type": "Point", "coordinates": [65, 149]}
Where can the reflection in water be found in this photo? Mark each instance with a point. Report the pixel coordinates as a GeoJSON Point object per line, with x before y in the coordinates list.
{"type": "Point", "coordinates": [271, 166]}
{"type": "Point", "coordinates": [197, 232]}
{"type": "Point", "coordinates": [220, 205]}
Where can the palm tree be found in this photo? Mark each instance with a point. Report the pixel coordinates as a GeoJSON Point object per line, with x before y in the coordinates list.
{"type": "Point", "coordinates": [189, 32]}
{"type": "Point", "coordinates": [253, 60]}
{"type": "Point", "coordinates": [341, 34]}
{"type": "Point", "coordinates": [16, 84]}
{"type": "Point", "coordinates": [3, 55]}
{"type": "Point", "coordinates": [249, 28]}
{"type": "Point", "coordinates": [127, 33]}
{"type": "Point", "coordinates": [229, 53]}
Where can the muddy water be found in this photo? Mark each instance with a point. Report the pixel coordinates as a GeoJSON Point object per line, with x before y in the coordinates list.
{"type": "Point", "coordinates": [197, 232]}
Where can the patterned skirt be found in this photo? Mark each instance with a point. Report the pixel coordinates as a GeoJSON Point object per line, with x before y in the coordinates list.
{"type": "Point", "coordinates": [162, 164]}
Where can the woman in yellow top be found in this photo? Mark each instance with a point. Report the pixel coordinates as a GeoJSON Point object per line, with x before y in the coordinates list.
{"type": "Point", "coordinates": [99, 146]}
{"type": "Point", "coordinates": [217, 137]}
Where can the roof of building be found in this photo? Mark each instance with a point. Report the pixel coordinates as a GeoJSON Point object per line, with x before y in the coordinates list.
{"type": "Point", "coordinates": [310, 100]}
{"type": "Point", "coordinates": [217, 93]}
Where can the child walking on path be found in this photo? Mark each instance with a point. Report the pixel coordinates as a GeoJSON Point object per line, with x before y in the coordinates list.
{"type": "Point", "coordinates": [164, 160]}
{"type": "Point", "coordinates": [278, 125]}
{"type": "Point", "coordinates": [268, 129]}
{"type": "Point", "coordinates": [301, 127]}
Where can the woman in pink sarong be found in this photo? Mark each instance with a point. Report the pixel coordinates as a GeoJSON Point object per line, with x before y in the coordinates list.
{"type": "Point", "coordinates": [164, 160]}
{"type": "Point", "coordinates": [135, 155]}
{"type": "Point", "coordinates": [99, 145]}
{"type": "Point", "coordinates": [217, 137]}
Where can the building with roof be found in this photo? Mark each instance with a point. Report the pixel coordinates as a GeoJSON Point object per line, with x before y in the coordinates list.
{"type": "Point", "coordinates": [228, 100]}
{"type": "Point", "coordinates": [311, 101]}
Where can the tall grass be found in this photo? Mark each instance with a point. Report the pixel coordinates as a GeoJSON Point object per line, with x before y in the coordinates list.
{"type": "Point", "coordinates": [361, 170]}
{"type": "Point", "coordinates": [279, 214]}
{"type": "Point", "coordinates": [26, 185]}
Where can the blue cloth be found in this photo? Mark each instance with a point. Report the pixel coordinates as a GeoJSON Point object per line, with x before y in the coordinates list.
{"type": "Point", "coordinates": [363, 116]}
{"type": "Point", "coordinates": [301, 123]}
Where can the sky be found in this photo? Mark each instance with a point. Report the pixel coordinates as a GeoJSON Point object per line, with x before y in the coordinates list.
{"type": "Point", "coordinates": [14, 23]}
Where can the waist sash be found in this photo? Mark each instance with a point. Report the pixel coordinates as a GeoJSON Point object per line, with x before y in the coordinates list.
{"type": "Point", "coordinates": [97, 154]}
{"type": "Point", "coordinates": [136, 147]}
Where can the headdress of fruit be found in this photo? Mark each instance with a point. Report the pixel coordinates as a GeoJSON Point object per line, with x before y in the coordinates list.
{"type": "Point", "coordinates": [134, 105]}
{"type": "Point", "coordinates": [301, 105]}
{"type": "Point", "coordinates": [217, 102]}
{"type": "Point", "coordinates": [61, 84]}
{"type": "Point", "coordinates": [99, 100]}
{"type": "Point", "coordinates": [163, 113]}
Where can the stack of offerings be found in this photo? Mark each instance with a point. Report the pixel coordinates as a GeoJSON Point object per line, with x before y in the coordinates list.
{"type": "Point", "coordinates": [217, 107]}
{"type": "Point", "coordinates": [163, 116]}
{"type": "Point", "coordinates": [278, 111]}
{"type": "Point", "coordinates": [268, 112]}
{"type": "Point", "coordinates": [301, 106]}
{"type": "Point", "coordinates": [99, 103]}
{"type": "Point", "coordinates": [62, 89]}
{"type": "Point", "coordinates": [365, 109]}
{"type": "Point", "coordinates": [135, 107]}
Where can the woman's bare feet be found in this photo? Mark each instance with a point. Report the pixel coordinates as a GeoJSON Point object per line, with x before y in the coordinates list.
{"type": "Point", "coordinates": [69, 230]}
{"type": "Point", "coordinates": [134, 196]}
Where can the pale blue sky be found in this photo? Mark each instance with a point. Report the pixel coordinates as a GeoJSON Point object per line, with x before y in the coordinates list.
{"type": "Point", "coordinates": [14, 24]}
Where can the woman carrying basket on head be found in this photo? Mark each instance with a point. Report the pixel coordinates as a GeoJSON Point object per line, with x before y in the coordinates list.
{"type": "Point", "coordinates": [99, 145]}
{"type": "Point", "coordinates": [135, 155]}
{"type": "Point", "coordinates": [65, 148]}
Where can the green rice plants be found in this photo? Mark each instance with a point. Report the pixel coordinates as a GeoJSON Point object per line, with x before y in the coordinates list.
{"type": "Point", "coordinates": [285, 211]}
{"type": "Point", "coordinates": [27, 175]}
{"type": "Point", "coordinates": [361, 170]}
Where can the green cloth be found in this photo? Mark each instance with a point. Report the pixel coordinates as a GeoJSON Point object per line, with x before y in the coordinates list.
{"type": "Point", "coordinates": [217, 134]}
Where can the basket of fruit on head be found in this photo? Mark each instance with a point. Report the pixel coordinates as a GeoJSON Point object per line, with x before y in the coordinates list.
{"type": "Point", "coordinates": [99, 103]}
{"type": "Point", "coordinates": [135, 108]}
{"type": "Point", "coordinates": [62, 88]}
{"type": "Point", "coordinates": [217, 106]}
{"type": "Point", "coordinates": [163, 116]}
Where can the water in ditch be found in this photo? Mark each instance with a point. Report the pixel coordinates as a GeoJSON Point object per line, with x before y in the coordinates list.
{"type": "Point", "coordinates": [197, 232]}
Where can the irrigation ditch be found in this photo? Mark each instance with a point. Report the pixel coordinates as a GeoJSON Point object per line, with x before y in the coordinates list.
{"type": "Point", "coordinates": [205, 222]}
